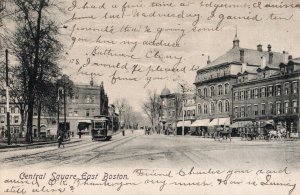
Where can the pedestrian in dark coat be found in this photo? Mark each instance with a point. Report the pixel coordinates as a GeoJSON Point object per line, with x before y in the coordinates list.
{"type": "Point", "coordinates": [60, 140]}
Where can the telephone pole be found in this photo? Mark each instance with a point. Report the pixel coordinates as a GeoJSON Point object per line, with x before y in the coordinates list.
{"type": "Point", "coordinates": [7, 101]}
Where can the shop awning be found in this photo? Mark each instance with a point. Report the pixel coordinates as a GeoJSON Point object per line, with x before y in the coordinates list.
{"type": "Point", "coordinates": [220, 121]}
{"type": "Point", "coordinates": [200, 123]}
{"type": "Point", "coordinates": [85, 121]}
{"type": "Point", "coordinates": [186, 123]}
{"type": "Point", "coordinates": [241, 124]}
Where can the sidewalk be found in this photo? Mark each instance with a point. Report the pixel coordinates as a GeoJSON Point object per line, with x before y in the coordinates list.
{"type": "Point", "coordinates": [35, 144]}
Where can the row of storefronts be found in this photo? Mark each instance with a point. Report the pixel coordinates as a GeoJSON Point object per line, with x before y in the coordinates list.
{"type": "Point", "coordinates": [243, 90]}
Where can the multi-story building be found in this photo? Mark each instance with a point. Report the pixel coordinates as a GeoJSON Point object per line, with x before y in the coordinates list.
{"type": "Point", "coordinates": [177, 111]}
{"type": "Point", "coordinates": [268, 96]}
{"type": "Point", "coordinates": [87, 101]}
{"type": "Point", "coordinates": [213, 88]}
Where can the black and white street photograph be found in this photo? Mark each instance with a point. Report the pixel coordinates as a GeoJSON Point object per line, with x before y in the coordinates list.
{"type": "Point", "coordinates": [149, 97]}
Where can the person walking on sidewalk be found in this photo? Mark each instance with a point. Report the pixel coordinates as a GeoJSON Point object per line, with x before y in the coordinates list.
{"type": "Point", "coordinates": [60, 140]}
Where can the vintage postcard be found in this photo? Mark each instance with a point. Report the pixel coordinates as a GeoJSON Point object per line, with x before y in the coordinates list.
{"type": "Point", "coordinates": [149, 97]}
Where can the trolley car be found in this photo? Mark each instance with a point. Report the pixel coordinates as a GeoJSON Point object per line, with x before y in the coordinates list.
{"type": "Point", "coordinates": [103, 127]}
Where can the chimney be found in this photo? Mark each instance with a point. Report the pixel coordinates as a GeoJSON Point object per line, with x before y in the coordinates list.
{"type": "Point", "coordinates": [259, 47]}
{"type": "Point", "coordinates": [269, 48]}
{"type": "Point", "coordinates": [263, 62]}
{"type": "Point", "coordinates": [242, 55]}
{"type": "Point", "coordinates": [270, 57]}
{"type": "Point", "coordinates": [208, 60]}
{"type": "Point", "coordinates": [244, 67]}
{"type": "Point", "coordinates": [290, 57]}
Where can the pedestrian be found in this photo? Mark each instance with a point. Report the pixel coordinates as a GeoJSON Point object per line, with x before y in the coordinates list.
{"type": "Point", "coordinates": [60, 140]}
{"type": "Point", "coordinates": [79, 133]}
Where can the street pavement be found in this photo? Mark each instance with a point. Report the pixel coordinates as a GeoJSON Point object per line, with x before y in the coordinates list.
{"type": "Point", "coordinates": [160, 151]}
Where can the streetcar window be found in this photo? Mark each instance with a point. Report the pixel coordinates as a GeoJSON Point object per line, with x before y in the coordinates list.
{"type": "Point", "coordinates": [99, 125]}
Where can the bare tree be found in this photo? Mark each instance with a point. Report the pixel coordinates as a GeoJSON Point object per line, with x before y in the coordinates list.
{"type": "Point", "coordinates": [151, 108]}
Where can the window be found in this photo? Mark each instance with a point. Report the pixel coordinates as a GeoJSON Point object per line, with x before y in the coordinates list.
{"type": "Point", "coordinates": [16, 119]}
{"type": "Point", "coordinates": [242, 111]}
{"type": "Point", "coordinates": [70, 112]}
{"type": "Point", "coordinates": [286, 88]}
{"type": "Point", "coordinates": [226, 88]}
{"type": "Point", "coordinates": [199, 92]}
{"type": "Point", "coordinates": [295, 87]}
{"type": "Point", "coordinates": [199, 109]}
{"type": "Point", "coordinates": [220, 90]}
{"type": "Point", "coordinates": [295, 106]}
{"type": "Point", "coordinates": [12, 110]}
{"type": "Point", "coordinates": [278, 107]}
{"type": "Point", "coordinates": [88, 99]}
{"type": "Point", "coordinates": [2, 119]}
{"type": "Point", "coordinates": [220, 106]}
{"type": "Point", "coordinates": [189, 113]}
{"type": "Point", "coordinates": [212, 90]}
{"type": "Point", "coordinates": [255, 110]}
{"type": "Point", "coordinates": [236, 112]}
{"type": "Point", "coordinates": [263, 92]}
{"type": "Point", "coordinates": [248, 94]}
{"type": "Point", "coordinates": [286, 107]}
{"type": "Point", "coordinates": [93, 99]}
{"type": "Point", "coordinates": [270, 91]}
{"type": "Point", "coordinates": [278, 90]}
{"type": "Point", "coordinates": [193, 112]}
{"type": "Point", "coordinates": [263, 109]}
{"type": "Point", "coordinates": [252, 94]}
{"type": "Point", "coordinates": [256, 93]}
{"type": "Point", "coordinates": [205, 108]}
{"type": "Point", "coordinates": [248, 110]}
{"type": "Point", "coordinates": [205, 92]}
{"type": "Point", "coordinates": [271, 109]}
{"type": "Point", "coordinates": [242, 95]}
{"type": "Point", "coordinates": [226, 106]}
{"type": "Point", "coordinates": [2, 110]}
{"type": "Point", "coordinates": [75, 113]}
{"type": "Point", "coordinates": [93, 112]}
{"type": "Point", "coordinates": [236, 96]}
{"type": "Point", "coordinates": [87, 112]}
{"type": "Point", "coordinates": [212, 108]}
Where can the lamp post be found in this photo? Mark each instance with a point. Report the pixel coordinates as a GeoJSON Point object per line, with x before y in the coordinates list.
{"type": "Point", "coordinates": [7, 101]}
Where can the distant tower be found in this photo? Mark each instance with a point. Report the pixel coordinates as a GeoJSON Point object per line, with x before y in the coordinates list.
{"type": "Point", "coordinates": [236, 41]}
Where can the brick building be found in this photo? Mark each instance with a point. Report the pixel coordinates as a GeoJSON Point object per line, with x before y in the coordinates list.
{"type": "Point", "coordinates": [268, 97]}
{"type": "Point", "coordinates": [171, 115]}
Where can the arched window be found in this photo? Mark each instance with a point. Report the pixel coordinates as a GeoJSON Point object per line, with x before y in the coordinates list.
{"type": "Point", "coordinates": [227, 104]}
{"type": "Point", "coordinates": [212, 90]}
{"type": "Point", "coordinates": [212, 108]}
{"type": "Point", "coordinates": [199, 109]}
{"type": "Point", "coordinates": [220, 89]}
{"type": "Point", "coordinates": [220, 106]}
{"type": "Point", "coordinates": [226, 88]}
{"type": "Point", "coordinates": [199, 92]}
{"type": "Point", "coordinates": [205, 108]}
{"type": "Point", "coordinates": [205, 92]}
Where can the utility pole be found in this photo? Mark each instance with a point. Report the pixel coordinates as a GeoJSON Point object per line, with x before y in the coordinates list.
{"type": "Point", "coordinates": [7, 101]}
{"type": "Point", "coordinates": [65, 114]}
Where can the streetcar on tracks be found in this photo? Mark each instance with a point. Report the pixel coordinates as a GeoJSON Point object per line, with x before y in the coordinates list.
{"type": "Point", "coordinates": [103, 127]}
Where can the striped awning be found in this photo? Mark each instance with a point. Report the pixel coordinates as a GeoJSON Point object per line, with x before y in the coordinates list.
{"type": "Point", "coordinates": [220, 121]}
